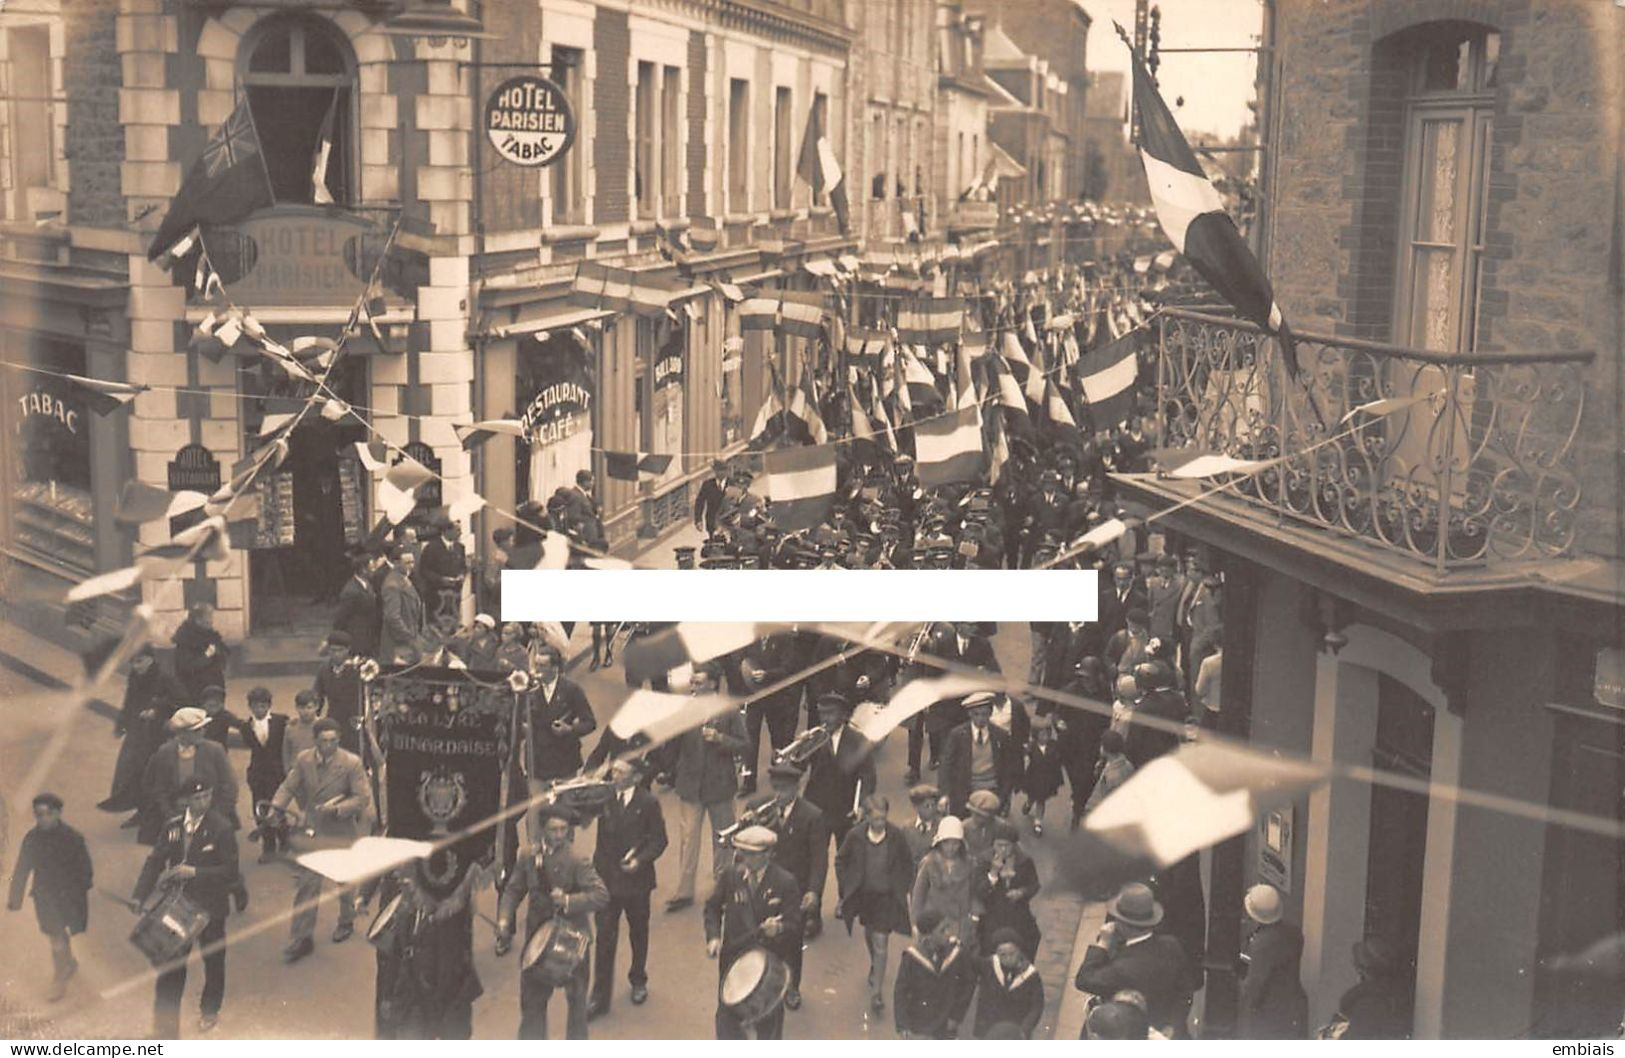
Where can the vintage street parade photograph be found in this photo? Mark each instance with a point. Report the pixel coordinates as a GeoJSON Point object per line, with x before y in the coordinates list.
{"type": "Point", "coordinates": [931, 519]}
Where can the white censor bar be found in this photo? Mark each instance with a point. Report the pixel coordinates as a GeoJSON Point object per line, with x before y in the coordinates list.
{"type": "Point", "coordinates": [799, 596]}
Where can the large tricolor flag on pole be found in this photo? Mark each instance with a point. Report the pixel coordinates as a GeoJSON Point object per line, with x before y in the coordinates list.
{"type": "Point", "coordinates": [1192, 214]}
{"type": "Point", "coordinates": [948, 447]}
{"type": "Point", "coordinates": [819, 166]}
{"type": "Point", "coordinates": [801, 485]}
{"type": "Point", "coordinates": [1107, 376]}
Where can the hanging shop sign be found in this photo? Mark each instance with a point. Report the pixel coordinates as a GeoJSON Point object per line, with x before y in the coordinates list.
{"type": "Point", "coordinates": [561, 381]}
{"type": "Point", "coordinates": [529, 121]}
{"type": "Point", "coordinates": [669, 366]}
{"type": "Point", "coordinates": [194, 468]}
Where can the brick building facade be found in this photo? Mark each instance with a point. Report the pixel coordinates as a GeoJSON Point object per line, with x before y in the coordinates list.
{"type": "Point", "coordinates": [1437, 605]}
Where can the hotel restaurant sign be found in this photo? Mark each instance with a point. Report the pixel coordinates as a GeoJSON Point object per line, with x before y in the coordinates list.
{"type": "Point", "coordinates": [301, 255]}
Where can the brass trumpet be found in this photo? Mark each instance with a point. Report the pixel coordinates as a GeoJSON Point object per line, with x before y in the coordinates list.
{"type": "Point", "coordinates": [768, 814]}
{"type": "Point", "coordinates": [806, 744]}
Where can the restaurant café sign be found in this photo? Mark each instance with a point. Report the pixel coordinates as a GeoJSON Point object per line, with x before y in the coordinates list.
{"type": "Point", "coordinates": [529, 121]}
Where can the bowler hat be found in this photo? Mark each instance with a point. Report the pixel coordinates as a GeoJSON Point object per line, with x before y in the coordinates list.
{"type": "Point", "coordinates": [1135, 905]}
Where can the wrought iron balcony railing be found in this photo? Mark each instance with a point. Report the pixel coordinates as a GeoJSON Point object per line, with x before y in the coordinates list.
{"type": "Point", "coordinates": [1480, 468]}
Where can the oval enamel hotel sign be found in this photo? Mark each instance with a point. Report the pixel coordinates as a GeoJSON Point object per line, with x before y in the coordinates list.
{"type": "Point", "coordinates": [529, 121]}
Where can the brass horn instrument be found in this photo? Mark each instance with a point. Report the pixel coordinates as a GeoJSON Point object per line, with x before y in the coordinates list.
{"type": "Point", "coordinates": [769, 814]}
{"type": "Point", "coordinates": [806, 744]}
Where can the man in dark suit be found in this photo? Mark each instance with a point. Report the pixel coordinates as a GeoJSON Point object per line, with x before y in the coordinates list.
{"type": "Point", "coordinates": [1125, 593]}
{"type": "Point", "coordinates": [442, 569]}
{"type": "Point", "coordinates": [263, 733]}
{"type": "Point", "coordinates": [756, 904]}
{"type": "Point", "coordinates": [358, 612]}
{"type": "Point", "coordinates": [1126, 954]}
{"type": "Point", "coordinates": [802, 849]}
{"type": "Point", "coordinates": [401, 608]}
{"type": "Point", "coordinates": [631, 836]}
{"type": "Point", "coordinates": [198, 852]}
{"type": "Point", "coordinates": [968, 644]}
{"type": "Point", "coordinates": [976, 756]}
{"type": "Point", "coordinates": [338, 690]}
{"type": "Point", "coordinates": [558, 718]}
{"type": "Point", "coordinates": [839, 776]}
{"type": "Point", "coordinates": [708, 502]}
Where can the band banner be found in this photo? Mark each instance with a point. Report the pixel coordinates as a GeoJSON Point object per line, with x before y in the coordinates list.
{"type": "Point", "coordinates": [445, 735]}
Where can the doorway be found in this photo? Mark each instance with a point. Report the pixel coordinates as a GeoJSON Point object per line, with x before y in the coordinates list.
{"type": "Point", "coordinates": [1397, 853]}
{"type": "Point", "coordinates": [312, 508]}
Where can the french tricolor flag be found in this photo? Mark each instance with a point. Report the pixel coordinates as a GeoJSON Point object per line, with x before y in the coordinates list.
{"type": "Point", "coordinates": [1192, 214]}
{"type": "Point", "coordinates": [801, 485]}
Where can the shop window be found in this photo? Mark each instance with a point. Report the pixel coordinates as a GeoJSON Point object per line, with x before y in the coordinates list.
{"type": "Point", "coordinates": [565, 175]}
{"type": "Point", "coordinates": [782, 121]}
{"type": "Point", "coordinates": [28, 171]}
{"type": "Point", "coordinates": [555, 381]}
{"type": "Point", "coordinates": [49, 456]}
{"type": "Point", "coordinates": [298, 71]}
{"type": "Point", "coordinates": [738, 145]}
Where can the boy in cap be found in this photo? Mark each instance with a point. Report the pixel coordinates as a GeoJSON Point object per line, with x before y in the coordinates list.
{"type": "Point", "coordinates": [755, 904]}
{"type": "Point", "coordinates": [927, 802]}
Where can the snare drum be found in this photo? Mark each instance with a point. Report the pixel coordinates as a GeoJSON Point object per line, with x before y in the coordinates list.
{"type": "Point", "coordinates": [755, 985]}
{"type": "Point", "coordinates": [554, 952]}
{"type": "Point", "coordinates": [166, 931]}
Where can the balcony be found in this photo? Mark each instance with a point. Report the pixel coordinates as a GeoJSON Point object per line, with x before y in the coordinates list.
{"type": "Point", "coordinates": [1480, 468]}
{"type": "Point", "coordinates": [973, 216]}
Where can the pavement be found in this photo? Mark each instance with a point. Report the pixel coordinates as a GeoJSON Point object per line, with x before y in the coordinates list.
{"type": "Point", "coordinates": [111, 996]}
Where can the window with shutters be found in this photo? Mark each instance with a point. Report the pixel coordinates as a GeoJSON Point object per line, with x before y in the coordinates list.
{"type": "Point", "coordinates": [299, 75]}
{"type": "Point", "coordinates": [782, 124]}
{"type": "Point", "coordinates": [671, 94]}
{"type": "Point", "coordinates": [28, 115]}
{"type": "Point", "coordinates": [566, 186]}
{"type": "Point", "coordinates": [646, 178]}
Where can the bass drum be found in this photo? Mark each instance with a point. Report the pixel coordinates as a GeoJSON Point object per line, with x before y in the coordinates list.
{"type": "Point", "coordinates": [755, 985]}
{"type": "Point", "coordinates": [554, 952]}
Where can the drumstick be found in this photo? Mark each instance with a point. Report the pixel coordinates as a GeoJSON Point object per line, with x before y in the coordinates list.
{"type": "Point", "coordinates": [133, 906]}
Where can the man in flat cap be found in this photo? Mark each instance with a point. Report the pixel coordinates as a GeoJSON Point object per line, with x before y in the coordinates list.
{"type": "Point", "coordinates": [756, 904]}
{"type": "Point", "coordinates": [188, 754]}
{"type": "Point", "coordinates": [975, 756]}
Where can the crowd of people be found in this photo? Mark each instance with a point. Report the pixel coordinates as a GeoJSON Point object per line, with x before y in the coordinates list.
{"type": "Point", "coordinates": [951, 879]}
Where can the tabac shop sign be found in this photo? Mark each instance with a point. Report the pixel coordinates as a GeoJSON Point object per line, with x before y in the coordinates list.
{"type": "Point", "coordinates": [529, 121]}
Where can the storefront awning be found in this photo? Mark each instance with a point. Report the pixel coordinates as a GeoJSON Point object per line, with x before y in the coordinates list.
{"type": "Point", "coordinates": [820, 266]}
{"type": "Point", "coordinates": [571, 317]}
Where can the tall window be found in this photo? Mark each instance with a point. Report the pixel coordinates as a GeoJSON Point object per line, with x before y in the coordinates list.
{"type": "Point", "coordinates": [671, 122]}
{"type": "Point", "coordinates": [781, 148]}
{"type": "Point", "coordinates": [565, 175]}
{"type": "Point", "coordinates": [877, 157]}
{"type": "Point", "coordinates": [645, 176]}
{"type": "Point", "coordinates": [28, 119]}
{"type": "Point", "coordinates": [300, 70]}
{"type": "Point", "coordinates": [820, 121]}
{"type": "Point", "coordinates": [738, 145]}
{"type": "Point", "coordinates": [1447, 150]}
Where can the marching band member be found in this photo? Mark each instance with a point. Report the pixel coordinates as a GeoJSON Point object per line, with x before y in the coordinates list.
{"type": "Point", "coordinates": [427, 982]}
{"type": "Point", "coordinates": [335, 799]}
{"type": "Point", "coordinates": [755, 904]}
{"type": "Point", "coordinates": [196, 850]}
{"type": "Point", "coordinates": [840, 774]}
{"type": "Point", "coordinates": [559, 884]}
{"type": "Point", "coordinates": [802, 849]}
{"type": "Point", "coordinates": [631, 836]}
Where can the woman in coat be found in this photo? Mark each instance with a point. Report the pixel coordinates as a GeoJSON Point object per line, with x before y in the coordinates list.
{"type": "Point", "coordinates": [944, 884]}
{"type": "Point", "coordinates": [1273, 1004]}
{"type": "Point", "coordinates": [875, 871]}
{"type": "Point", "coordinates": [151, 697]}
{"type": "Point", "coordinates": [1006, 882]}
